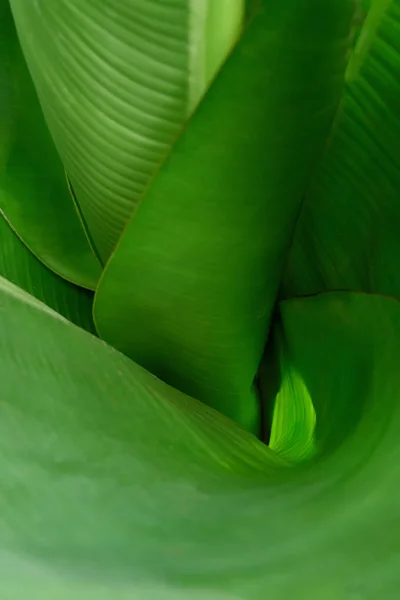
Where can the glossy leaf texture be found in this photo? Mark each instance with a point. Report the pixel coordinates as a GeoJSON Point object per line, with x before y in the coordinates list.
{"type": "Point", "coordinates": [116, 81]}
{"type": "Point", "coordinates": [34, 196]}
{"type": "Point", "coordinates": [189, 291]}
{"type": "Point", "coordinates": [117, 486]}
{"type": "Point", "coordinates": [348, 232]}
{"type": "Point", "coordinates": [22, 268]}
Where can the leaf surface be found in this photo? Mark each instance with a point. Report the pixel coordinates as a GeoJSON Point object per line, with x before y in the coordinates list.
{"type": "Point", "coordinates": [116, 81]}
{"type": "Point", "coordinates": [347, 235]}
{"type": "Point", "coordinates": [189, 291]}
{"type": "Point", "coordinates": [114, 485]}
{"type": "Point", "coordinates": [34, 196]}
{"type": "Point", "coordinates": [21, 267]}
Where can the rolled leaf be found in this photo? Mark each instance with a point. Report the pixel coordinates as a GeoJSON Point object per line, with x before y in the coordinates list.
{"type": "Point", "coordinates": [189, 291]}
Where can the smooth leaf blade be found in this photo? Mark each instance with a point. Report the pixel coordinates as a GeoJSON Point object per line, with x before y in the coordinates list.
{"type": "Point", "coordinates": [130, 488]}
{"type": "Point", "coordinates": [189, 291]}
{"type": "Point", "coordinates": [34, 196]}
{"type": "Point", "coordinates": [98, 440]}
{"type": "Point", "coordinates": [116, 82]}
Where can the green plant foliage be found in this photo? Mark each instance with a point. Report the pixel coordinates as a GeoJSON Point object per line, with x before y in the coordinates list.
{"type": "Point", "coordinates": [205, 248]}
{"type": "Point", "coordinates": [348, 232]}
{"type": "Point", "coordinates": [19, 265]}
{"type": "Point", "coordinates": [34, 196]}
{"type": "Point", "coordinates": [114, 481]}
{"type": "Point", "coordinates": [116, 97]}
{"type": "Point", "coordinates": [219, 205]}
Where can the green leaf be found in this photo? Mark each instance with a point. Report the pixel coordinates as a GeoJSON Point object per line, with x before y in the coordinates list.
{"type": "Point", "coordinates": [189, 291]}
{"type": "Point", "coordinates": [34, 196]}
{"type": "Point", "coordinates": [372, 21]}
{"type": "Point", "coordinates": [116, 81]}
{"type": "Point", "coordinates": [95, 455]}
{"type": "Point", "coordinates": [344, 349]}
{"type": "Point", "coordinates": [213, 27]}
{"type": "Point", "coordinates": [289, 417]}
{"type": "Point", "coordinates": [116, 486]}
{"type": "Point", "coordinates": [19, 265]}
{"type": "Point", "coordinates": [348, 232]}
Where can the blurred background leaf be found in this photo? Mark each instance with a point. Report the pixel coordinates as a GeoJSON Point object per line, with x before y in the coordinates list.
{"type": "Point", "coordinates": [347, 235]}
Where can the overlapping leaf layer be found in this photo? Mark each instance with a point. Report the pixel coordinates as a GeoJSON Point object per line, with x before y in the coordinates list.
{"type": "Point", "coordinates": [257, 224]}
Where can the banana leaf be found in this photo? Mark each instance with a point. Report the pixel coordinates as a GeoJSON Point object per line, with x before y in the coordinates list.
{"type": "Point", "coordinates": [190, 288]}
{"type": "Point", "coordinates": [116, 80]}
{"type": "Point", "coordinates": [120, 480]}
{"type": "Point", "coordinates": [22, 268]}
{"type": "Point", "coordinates": [34, 196]}
{"type": "Point", "coordinates": [347, 236]}
{"type": "Point", "coordinates": [115, 485]}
